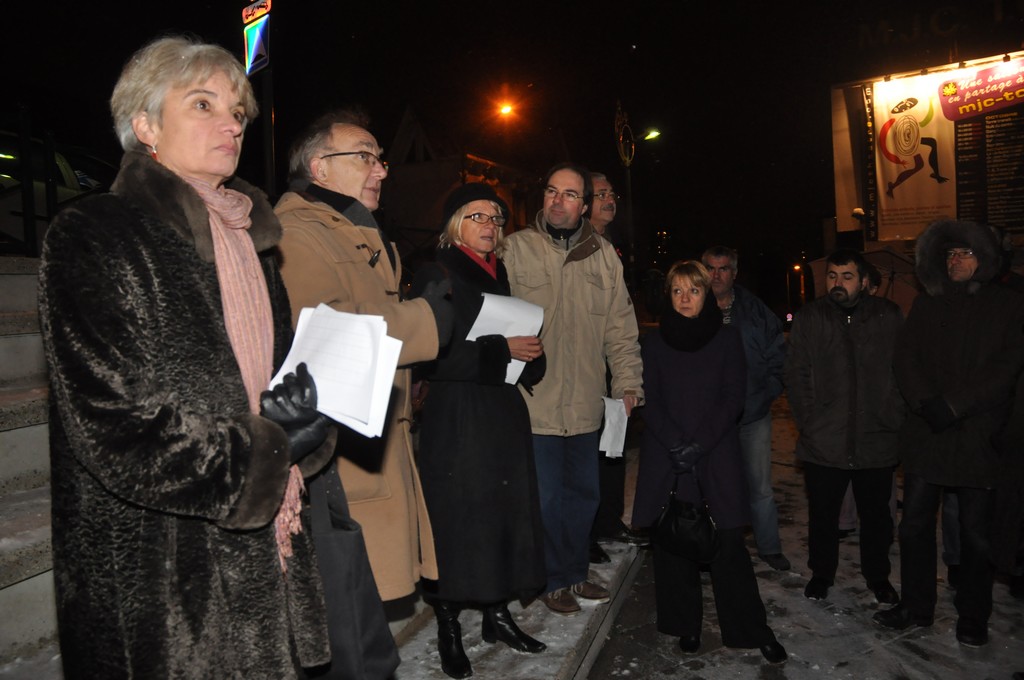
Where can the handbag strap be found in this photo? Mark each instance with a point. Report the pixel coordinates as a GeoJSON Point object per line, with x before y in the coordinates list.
{"type": "Point", "coordinates": [325, 485]}
{"type": "Point", "coordinates": [696, 482]}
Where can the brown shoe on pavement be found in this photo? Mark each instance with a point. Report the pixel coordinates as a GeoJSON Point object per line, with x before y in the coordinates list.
{"type": "Point", "coordinates": [589, 590]}
{"type": "Point", "coordinates": [561, 601]}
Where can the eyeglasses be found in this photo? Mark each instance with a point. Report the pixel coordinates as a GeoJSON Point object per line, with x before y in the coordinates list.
{"type": "Point", "coordinates": [364, 156]}
{"type": "Point", "coordinates": [961, 253]}
{"type": "Point", "coordinates": [606, 195]}
{"type": "Point", "coordinates": [567, 196]}
{"type": "Point", "coordinates": [481, 218]}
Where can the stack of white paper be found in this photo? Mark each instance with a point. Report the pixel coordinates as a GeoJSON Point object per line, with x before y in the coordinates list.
{"type": "Point", "coordinates": [508, 317]}
{"type": "Point", "coordinates": [352, 361]}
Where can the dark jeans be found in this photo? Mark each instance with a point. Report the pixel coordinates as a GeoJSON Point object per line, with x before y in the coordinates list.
{"type": "Point", "coordinates": [568, 483]}
{"type": "Point", "coordinates": [918, 552]}
{"type": "Point", "coordinates": [612, 473]}
{"type": "Point", "coordinates": [872, 489]}
{"type": "Point", "coordinates": [679, 597]}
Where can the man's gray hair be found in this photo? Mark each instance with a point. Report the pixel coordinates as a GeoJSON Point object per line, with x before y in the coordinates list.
{"type": "Point", "coordinates": [316, 138]}
{"type": "Point", "coordinates": [166, 63]}
{"type": "Point", "coordinates": [721, 251]}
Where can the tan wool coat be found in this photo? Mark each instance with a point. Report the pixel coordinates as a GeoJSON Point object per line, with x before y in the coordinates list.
{"type": "Point", "coordinates": [326, 259]}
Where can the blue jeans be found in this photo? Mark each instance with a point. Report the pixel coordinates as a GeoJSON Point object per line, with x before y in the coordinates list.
{"type": "Point", "coordinates": [567, 478]}
{"type": "Point", "coordinates": [756, 448]}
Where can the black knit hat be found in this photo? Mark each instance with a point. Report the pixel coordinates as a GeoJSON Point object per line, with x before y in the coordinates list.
{"type": "Point", "coordinates": [467, 193]}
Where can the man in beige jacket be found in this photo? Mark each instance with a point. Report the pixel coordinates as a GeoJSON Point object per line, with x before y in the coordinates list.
{"type": "Point", "coordinates": [563, 265]}
{"type": "Point", "coordinates": [334, 253]}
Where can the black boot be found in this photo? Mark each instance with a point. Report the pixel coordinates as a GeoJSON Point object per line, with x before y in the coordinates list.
{"type": "Point", "coordinates": [499, 625]}
{"type": "Point", "coordinates": [449, 640]}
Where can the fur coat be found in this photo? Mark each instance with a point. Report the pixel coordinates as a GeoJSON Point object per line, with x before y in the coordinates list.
{"type": "Point", "coordinates": [964, 343]}
{"type": "Point", "coordinates": [164, 484]}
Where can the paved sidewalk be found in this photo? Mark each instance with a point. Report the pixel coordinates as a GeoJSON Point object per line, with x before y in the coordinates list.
{"type": "Point", "coordinates": [833, 638]}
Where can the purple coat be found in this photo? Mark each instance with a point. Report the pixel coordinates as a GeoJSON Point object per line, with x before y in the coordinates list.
{"type": "Point", "coordinates": [694, 396]}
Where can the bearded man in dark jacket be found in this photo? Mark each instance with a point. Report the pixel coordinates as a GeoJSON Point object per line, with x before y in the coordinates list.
{"type": "Point", "coordinates": [848, 409]}
{"type": "Point", "coordinates": [957, 361]}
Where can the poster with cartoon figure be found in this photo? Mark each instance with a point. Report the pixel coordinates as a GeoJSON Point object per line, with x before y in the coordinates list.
{"type": "Point", "coordinates": [914, 156]}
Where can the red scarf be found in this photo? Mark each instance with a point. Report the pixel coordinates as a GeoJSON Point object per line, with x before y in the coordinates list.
{"type": "Point", "coordinates": [490, 265]}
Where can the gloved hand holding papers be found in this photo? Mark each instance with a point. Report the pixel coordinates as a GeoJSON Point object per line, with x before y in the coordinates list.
{"type": "Point", "coordinates": [508, 317]}
{"type": "Point", "coordinates": [352, 361]}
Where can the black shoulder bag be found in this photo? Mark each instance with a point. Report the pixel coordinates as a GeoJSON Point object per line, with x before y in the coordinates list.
{"type": "Point", "coordinates": [686, 529]}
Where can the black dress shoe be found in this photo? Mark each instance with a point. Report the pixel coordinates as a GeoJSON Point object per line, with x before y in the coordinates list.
{"type": "Point", "coordinates": [884, 592]}
{"type": "Point", "coordinates": [971, 633]}
{"type": "Point", "coordinates": [900, 618]}
{"type": "Point", "coordinates": [690, 644]}
{"type": "Point", "coordinates": [817, 588]}
{"type": "Point", "coordinates": [597, 554]}
{"type": "Point", "coordinates": [773, 652]}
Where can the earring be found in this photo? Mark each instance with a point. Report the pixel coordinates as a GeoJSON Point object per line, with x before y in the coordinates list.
{"type": "Point", "coordinates": [152, 152]}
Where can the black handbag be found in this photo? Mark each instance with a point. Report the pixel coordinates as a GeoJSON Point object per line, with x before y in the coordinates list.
{"type": "Point", "coordinates": [362, 647]}
{"type": "Point", "coordinates": [686, 529]}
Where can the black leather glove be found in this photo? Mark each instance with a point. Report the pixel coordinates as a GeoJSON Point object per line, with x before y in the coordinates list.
{"type": "Point", "coordinates": [292, 405]}
{"type": "Point", "coordinates": [684, 457]}
{"type": "Point", "coordinates": [938, 413]}
{"type": "Point", "coordinates": [435, 294]}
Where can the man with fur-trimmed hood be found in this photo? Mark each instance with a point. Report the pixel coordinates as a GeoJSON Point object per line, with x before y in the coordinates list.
{"type": "Point", "coordinates": [957, 360]}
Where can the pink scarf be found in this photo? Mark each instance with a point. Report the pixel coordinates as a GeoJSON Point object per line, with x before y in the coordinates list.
{"type": "Point", "coordinates": [249, 322]}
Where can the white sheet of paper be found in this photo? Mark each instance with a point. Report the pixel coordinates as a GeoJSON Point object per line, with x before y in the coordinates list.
{"type": "Point", "coordinates": [352, 361]}
{"type": "Point", "coordinates": [613, 436]}
{"type": "Point", "coordinates": [508, 317]}
{"type": "Point", "coordinates": [387, 361]}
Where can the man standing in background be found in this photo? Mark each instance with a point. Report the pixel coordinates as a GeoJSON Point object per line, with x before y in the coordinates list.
{"type": "Point", "coordinates": [765, 349]}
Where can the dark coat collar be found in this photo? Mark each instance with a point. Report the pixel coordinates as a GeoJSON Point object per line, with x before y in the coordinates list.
{"type": "Point", "coordinates": [157, 192]}
{"type": "Point", "coordinates": [460, 264]}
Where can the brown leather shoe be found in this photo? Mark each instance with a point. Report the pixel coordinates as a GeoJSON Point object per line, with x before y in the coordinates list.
{"type": "Point", "coordinates": [560, 601]}
{"type": "Point", "coordinates": [591, 591]}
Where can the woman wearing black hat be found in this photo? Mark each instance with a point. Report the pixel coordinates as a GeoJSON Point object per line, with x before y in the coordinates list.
{"type": "Point", "coordinates": [476, 454]}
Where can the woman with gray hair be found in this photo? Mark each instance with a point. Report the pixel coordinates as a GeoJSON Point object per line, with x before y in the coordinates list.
{"type": "Point", "coordinates": [178, 545]}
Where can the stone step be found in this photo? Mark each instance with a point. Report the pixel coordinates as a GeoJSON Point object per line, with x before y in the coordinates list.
{"type": "Point", "coordinates": [29, 623]}
{"type": "Point", "coordinates": [24, 436]}
{"type": "Point", "coordinates": [21, 356]}
{"type": "Point", "coordinates": [19, 281]}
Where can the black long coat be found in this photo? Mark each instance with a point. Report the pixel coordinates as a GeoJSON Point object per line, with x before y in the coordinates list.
{"type": "Point", "coordinates": [476, 453]}
{"type": "Point", "coordinates": [164, 485]}
{"type": "Point", "coordinates": [966, 344]}
{"type": "Point", "coordinates": [694, 397]}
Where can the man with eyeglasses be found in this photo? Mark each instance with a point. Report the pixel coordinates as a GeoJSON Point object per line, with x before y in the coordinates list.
{"type": "Point", "coordinates": [608, 524]}
{"type": "Point", "coordinates": [563, 265]}
{"type": "Point", "coordinates": [957, 361]}
{"type": "Point", "coordinates": [333, 252]}
{"type": "Point", "coordinates": [603, 211]}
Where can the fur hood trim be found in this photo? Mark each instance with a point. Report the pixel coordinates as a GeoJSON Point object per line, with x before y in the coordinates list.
{"type": "Point", "coordinates": [156, 191]}
{"type": "Point", "coordinates": [931, 254]}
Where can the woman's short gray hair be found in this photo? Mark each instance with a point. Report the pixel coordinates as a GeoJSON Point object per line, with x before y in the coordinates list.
{"type": "Point", "coordinates": [166, 63]}
{"type": "Point", "coordinates": [451, 234]}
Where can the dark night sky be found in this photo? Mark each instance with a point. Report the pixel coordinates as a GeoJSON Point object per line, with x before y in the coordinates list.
{"type": "Point", "coordinates": [740, 90]}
